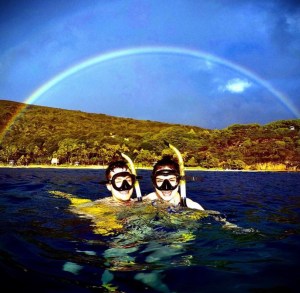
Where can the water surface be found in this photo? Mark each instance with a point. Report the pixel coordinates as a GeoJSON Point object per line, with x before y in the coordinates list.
{"type": "Point", "coordinates": [47, 248]}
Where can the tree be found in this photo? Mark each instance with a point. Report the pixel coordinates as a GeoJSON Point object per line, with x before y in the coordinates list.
{"type": "Point", "coordinates": [65, 149]}
{"type": "Point", "coordinates": [191, 162]}
{"type": "Point", "coordinates": [145, 157]}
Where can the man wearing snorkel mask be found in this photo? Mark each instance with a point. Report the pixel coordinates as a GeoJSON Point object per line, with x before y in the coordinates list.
{"type": "Point", "coordinates": [120, 181]}
{"type": "Point", "coordinates": [166, 178]}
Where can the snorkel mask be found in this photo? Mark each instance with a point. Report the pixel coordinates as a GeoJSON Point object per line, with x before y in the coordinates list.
{"type": "Point", "coordinates": [166, 184]}
{"type": "Point", "coordinates": [123, 181]}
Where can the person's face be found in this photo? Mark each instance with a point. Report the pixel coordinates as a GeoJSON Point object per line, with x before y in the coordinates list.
{"type": "Point", "coordinates": [121, 185]}
{"type": "Point", "coordinates": [166, 184]}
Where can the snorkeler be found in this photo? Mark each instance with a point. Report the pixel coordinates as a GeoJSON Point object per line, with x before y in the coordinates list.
{"type": "Point", "coordinates": [166, 178]}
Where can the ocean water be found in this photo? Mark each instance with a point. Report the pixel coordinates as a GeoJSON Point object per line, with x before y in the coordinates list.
{"type": "Point", "coordinates": [47, 248]}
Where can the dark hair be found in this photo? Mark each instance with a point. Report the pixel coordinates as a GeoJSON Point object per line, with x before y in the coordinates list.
{"type": "Point", "coordinates": [166, 161]}
{"type": "Point", "coordinates": [113, 165]}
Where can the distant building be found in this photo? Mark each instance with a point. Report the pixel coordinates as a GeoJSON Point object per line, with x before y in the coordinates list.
{"type": "Point", "coordinates": [54, 161]}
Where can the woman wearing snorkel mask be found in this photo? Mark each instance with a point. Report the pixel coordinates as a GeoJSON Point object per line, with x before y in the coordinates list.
{"type": "Point", "coordinates": [166, 178]}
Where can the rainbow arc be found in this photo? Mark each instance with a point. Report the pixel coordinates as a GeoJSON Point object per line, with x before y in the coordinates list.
{"type": "Point", "coordinates": [95, 60]}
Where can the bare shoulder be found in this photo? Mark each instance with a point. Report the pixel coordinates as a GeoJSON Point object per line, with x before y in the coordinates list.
{"type": "Point", "coordinates": [150, 196]}
{"type": "Point", "coordinates": [193, 205]}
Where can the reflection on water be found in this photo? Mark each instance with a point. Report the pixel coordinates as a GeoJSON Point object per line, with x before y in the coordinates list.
{"type": "Point", "coordinates": [47, 247]}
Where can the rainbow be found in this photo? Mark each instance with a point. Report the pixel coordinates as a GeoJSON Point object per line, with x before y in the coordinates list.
{"type": "Point", "coordinates": [146, 51]}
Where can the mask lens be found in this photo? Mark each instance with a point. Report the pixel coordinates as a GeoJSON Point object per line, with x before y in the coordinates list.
{"type": "Point", "coordinates": [123, 181]}
{"type": "Point", "coordinates": [166, 180]}
{"type": "Point", "coordinates": [119, 181]}
{"type": "Point", "coordinates": [172, 181]}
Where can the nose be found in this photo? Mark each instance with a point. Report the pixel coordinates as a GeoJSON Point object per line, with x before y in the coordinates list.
{"type": "Point", "coordinates": [125, 186]}
{"type": "Point", "coordinates": [166, 185]}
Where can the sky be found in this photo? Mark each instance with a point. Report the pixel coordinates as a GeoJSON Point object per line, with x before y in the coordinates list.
{"type": "Point", "coordinates": [205, 63]}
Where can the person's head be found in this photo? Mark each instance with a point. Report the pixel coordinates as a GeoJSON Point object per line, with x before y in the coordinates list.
{"type": "Point", "coordinates": [166, 177]}
{"type": "Point", "coordinates": [120, 180]}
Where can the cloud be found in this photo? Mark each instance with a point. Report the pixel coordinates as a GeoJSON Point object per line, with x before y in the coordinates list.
{"type": "Point", "coordinates": [235, 86]}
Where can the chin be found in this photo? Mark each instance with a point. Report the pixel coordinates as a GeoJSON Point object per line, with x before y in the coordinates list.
{"type": "Point", "coordinates": [167, 197]}
{"type": "Point", "coordinates": [125, 197]}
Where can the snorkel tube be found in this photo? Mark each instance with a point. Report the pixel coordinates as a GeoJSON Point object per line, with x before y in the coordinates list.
{"type": "Point", "coordinates": [133, 171]}
{"type": "Point", "coordinates": [182, 183]}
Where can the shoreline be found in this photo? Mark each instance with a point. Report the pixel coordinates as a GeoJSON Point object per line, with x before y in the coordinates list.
{"type": "Point", "coordinates": [96, 167]}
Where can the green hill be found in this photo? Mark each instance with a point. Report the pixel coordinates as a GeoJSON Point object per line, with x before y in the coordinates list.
{"type": "Point", "coordinates": [39, 133]}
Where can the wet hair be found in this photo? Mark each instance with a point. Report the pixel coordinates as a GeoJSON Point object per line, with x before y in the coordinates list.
{"type": "Point", "coordinates": [113, 165]}
{"type": "Point", "coordinates": [166, 161]}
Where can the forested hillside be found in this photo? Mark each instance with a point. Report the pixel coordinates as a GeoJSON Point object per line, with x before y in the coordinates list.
{"type": "Point", "coordinates": [40, 133]}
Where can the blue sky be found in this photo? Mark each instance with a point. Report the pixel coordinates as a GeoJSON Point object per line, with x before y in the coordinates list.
{"type": "Point", "coordinates": [205, 63]}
